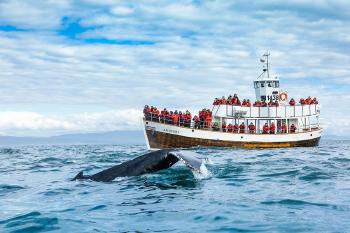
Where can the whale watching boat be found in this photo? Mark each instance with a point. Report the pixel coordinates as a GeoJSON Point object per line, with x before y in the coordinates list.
{"type": "Point", "coordinates": [273, 121]}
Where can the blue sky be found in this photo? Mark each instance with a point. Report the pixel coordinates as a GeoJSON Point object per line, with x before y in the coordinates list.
{"type": "Point", "coordinates": [85, 66]}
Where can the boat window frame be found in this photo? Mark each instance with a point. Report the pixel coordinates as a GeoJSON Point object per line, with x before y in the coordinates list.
{"type": "Point", "coordinates": [276, 84]}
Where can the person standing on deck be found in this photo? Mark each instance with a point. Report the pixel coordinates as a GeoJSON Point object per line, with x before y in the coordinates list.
{"type": "Point", "coordinates": [272, 128]}
{"type": "Point", "coordinates": [251, 127]}
{"type": "Point", "coordinates": [242, 128]}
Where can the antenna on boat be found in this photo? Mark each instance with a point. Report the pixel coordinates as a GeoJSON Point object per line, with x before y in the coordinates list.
{"type": "Point", "coordinates": [266, 60]}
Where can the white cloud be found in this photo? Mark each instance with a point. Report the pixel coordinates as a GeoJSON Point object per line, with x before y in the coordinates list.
{"type": "Point", "coordinates": [33, 14]}
{"type": "Point", "coordinates": [121, 10]}
{"type": "Point", "coordinates": [32, 123]}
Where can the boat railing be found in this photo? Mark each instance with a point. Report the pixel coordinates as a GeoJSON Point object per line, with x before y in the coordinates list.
{"type": "Point", "coordinates": [286, 111]}
{"type": "Point", "coordinates": [213, 126]}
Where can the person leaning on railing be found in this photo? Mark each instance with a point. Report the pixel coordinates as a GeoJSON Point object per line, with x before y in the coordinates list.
{"type": "Point", "coordinates": [223, 126]}
{"type": "Point", "coordinates": [293, 128]}
{"type": "Point", "coordinates": [147, 112]}
{"type": "Point", "coordinates": [155, 114]}
{"type": "Point", "coordinates": [242, 128]}
{"type": "Point", "coordinates": [230, 128]}
{"type": "Point", "coordinates": [235, 128]}
{"type": "Point", "coordinates": [266, 128]}
{"type": "Point", "coordinates": [272, 128]}
{"type": "Point", "coordinates": [292, 102]}
{"type": "Point", "coordinates": [251, 128]}
{"type": "Point", "coordinates": [196, 121]}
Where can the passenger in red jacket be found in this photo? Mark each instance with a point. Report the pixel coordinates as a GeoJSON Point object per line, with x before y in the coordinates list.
{"type": "Point", "coordinates": [248, 104]}
{"type": "Point", "coordinates": [308, 101]}
{"type": "Point", "coordinates": [155, 114]}
{"type": "Point", "coordinates": [257, 103]}
{"type": "Point", "coordinates": [242, 128]}
{"type": "Point", "coordinates": [208, 121]}
{"type": "Point", "coordinates": [230, 128]}
{"type": "Point", "coordinates": [284, 128]}
{"type": "Point", "coordinates": [292, 102]}
{"type": "Point", "coordinates": [272, 128]}
{"type": "Point", "coordinates": [302, 101]}
{"type": "Point", "coordinates": [251, 128]}
{"type": "Point", "coordinates": [293, 128]}
{"type": "Point", "coordinates": [188, 117]}
{"type": "Point", "coordinates": [147, 112]}
{"type": "Point", "coordinates": [235, 128]}
{"type": "Point", "coordinates": [266, 129]}
{"type": "Point", "coordinates": [175, 118]}
{"type": "Point", "coordinates": [216, 101]}
{"type": "Point", "coordinates": [314, 101]}
{"type": "Point", "coordinates": [223, 126]}
{"type": "Point", "coordinates": [271, 103]}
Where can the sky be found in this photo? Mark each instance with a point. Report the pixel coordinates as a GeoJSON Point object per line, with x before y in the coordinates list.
{"type": "Point", "coordinates": [70, 66]}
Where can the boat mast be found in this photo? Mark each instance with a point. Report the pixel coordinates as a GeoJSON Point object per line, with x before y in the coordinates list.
{"type": "Point", "coordinates": [267, 54]}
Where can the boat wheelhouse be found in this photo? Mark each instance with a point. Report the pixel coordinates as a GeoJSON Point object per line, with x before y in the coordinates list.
{"type": "Point", "coordinates": [274, 121]}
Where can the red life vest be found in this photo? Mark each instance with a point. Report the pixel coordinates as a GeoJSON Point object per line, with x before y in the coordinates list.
{"type": "Point", "coordinates": [284, 128]}
{"type": "Point", "coordinates": [266, 129]}
{"type": "Point", "coordinates": [241, 128]}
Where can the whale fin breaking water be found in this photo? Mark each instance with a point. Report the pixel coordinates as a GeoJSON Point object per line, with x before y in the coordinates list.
{"type": "Point", "coordinates": [148, 163]}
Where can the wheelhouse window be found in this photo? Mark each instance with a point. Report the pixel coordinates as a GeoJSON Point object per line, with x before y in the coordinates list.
{"type": "Point", "coordinates": [256, 84]}
{"type": "Point", "coordinates": [276, 84]}
{"type": "Point", "coordinates": [269, 83]}
{"type": "Point", "coordinates": [262, 83]}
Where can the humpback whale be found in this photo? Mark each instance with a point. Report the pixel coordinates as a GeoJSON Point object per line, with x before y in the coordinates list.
{"type": "Point", "coordinates": [147, 163]}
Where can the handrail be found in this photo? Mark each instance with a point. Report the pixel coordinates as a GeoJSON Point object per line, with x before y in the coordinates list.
{"type": "Point", "coordinates": [285, 111]}
{"type": "Point", "coordinates": [202, 126]}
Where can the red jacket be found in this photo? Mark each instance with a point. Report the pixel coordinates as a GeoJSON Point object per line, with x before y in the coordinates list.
{"type": "Point", "coordinates": [266, 129]}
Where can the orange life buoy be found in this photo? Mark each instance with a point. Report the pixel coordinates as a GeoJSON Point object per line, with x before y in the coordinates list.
{"type": "Point", "coordinates": [283, 96]}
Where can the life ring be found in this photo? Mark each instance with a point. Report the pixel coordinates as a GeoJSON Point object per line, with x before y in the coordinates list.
{"type": "Point", "coordinates": [283, 96]}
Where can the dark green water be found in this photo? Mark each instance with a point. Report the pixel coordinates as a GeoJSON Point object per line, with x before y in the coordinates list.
{"type": "Point", "coordinates": [278, 190]}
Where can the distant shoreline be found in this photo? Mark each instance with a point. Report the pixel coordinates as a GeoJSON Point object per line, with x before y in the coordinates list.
{"type": "Point", "coordinates": [106, 138]}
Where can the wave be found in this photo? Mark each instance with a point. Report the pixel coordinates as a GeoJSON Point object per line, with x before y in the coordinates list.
{"type": "Point", "coordinates": [295, 202]}
{"type": "Point", "coordinates": [4, 189]}
{"type": "Point", "coordinates": [30, 222]}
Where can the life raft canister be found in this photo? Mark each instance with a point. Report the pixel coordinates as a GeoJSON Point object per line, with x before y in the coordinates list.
{"type": "Point", "coordinates": [283, 96]}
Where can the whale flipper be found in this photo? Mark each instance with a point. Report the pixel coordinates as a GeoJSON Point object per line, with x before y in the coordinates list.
{"type": "Point", "coordinates": [148, 163]}
{"type": "Point", "coordinates": [190, 159]}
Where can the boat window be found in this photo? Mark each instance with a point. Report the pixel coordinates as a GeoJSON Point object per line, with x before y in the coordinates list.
{"type": "Point", "coordinates": [256, 84]}
{"type": "Point", "coordinates": [269, 84]}
{"type": "Point", "coordinates": [262, 83]}
{"type": "Point", "coordinates": [276, 83]}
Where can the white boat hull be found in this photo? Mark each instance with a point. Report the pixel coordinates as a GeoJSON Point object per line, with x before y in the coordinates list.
{"type": "Point", "coordinates": [161, 136]}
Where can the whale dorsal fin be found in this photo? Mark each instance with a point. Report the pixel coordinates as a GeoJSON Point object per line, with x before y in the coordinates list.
{"type": "Point", "coordinates": [80, 176]}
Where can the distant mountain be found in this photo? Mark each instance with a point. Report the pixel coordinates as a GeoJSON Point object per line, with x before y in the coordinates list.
{"type": "Point", "coordinates": [113, 137]}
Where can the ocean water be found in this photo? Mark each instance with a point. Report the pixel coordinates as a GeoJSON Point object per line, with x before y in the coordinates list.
{"type": "Point", "coordinates": [270, 190]}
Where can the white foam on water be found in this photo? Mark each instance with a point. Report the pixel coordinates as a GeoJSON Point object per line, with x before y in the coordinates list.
{"type": "Point", "coordinates": [202, 174]}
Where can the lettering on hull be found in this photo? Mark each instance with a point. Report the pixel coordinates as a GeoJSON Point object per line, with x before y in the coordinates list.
{"type": "Point", "coordinates": [171, 131]}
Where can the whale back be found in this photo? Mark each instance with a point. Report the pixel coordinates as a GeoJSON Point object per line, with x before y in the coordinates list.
{"type": "Point", "coordinates": [148, 163]}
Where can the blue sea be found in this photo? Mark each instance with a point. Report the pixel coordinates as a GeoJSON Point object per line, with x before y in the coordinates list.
{"type": "Point", "coordinates": [265, 190]}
